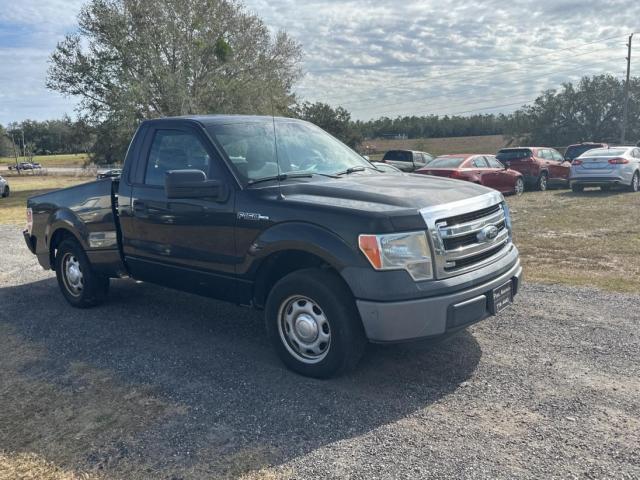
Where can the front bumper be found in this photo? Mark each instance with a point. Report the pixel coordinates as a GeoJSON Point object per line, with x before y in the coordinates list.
{"type": "Point", "coordinates": [432, 316]}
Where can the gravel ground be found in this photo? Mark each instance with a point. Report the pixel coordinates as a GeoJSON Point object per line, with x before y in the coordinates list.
{"type": "Point", "coordinates": [549, 389]}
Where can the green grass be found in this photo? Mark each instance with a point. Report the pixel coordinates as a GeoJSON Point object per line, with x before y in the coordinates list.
{"type": "Point", "coordinates": [586, 239]}
{"type": "Point", "coordinates": [12, 208]}
{"type": "Point", "coordinates": [64, 160]}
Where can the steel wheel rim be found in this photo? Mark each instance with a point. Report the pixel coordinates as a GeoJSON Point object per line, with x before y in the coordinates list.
{"type": "Point", "coordinates": [72, 274]}
{"type": "Point", "coordinates": [519, 186]}
{"type": "Point", "coordinates": [543, 182]}
{"type": "Point", "coordinates": [304, 329]}
{"type": "Point", "coordinates": [635, 182]}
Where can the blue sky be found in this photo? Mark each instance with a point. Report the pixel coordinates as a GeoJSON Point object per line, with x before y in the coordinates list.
{"type": "Point", "coordinates": [375, 57]}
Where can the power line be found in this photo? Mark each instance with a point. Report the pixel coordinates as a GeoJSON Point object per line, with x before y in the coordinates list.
{"type": "Point", "coordinates": [517, 82]}
{"type": "Point", "coordinates": [458, 82]}
{"type": "Point", "coordinates": [521, 59]}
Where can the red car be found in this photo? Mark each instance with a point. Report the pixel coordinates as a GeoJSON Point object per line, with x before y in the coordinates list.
{"type": "Point", "coordinates": [542, 167]}
{"type": "Point", "coordinates": [482, 169]}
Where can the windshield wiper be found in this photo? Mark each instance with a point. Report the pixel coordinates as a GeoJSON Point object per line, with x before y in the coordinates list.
{"type": "Point", "coordinates": [353, 170]}
{"type": "Point", "coordinates": [285, 176]}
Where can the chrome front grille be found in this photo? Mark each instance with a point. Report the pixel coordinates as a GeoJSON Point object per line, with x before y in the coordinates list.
{"type": "Point", "coordinates": [467, 235]}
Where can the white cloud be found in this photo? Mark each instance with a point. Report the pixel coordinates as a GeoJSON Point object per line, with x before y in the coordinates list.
{"type": "Point", "coordinates": [376, 56]}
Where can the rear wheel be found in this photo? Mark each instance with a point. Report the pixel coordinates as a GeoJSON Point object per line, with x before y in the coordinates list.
{"type": "Point", "coordinates": [635, 183]}
{"type": "Point", "coordinates": [80, 285]}
{"type": "Point", "coordinates": [577, 188]}
{"type": "Point", "coordinates": [542, 182]}
{"type": "Point", "coordinates": [519, 186]}
{"type": "Point", "coordinates": [6, 192]}
{"type": "Point", "coordinates": [313, 323]}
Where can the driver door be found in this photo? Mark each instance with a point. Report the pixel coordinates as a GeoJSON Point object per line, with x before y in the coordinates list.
{"type": "Point", "coordinates": [186, 243]}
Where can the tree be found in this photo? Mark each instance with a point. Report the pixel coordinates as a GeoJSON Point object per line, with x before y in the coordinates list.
{"type": "Point", "coordinates": [140, 59]}
{"type": "Point", "coordinates": [589, 111]}
{"type": "Point", "coordinates": [336, 121]}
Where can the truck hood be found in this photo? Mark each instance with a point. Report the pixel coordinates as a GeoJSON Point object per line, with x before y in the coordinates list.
{"type": "Point", "coordinates": [382, 192]}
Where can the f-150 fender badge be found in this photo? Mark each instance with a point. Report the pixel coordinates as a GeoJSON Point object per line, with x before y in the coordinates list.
{"type": "Point", "coordinates": [251, 216]}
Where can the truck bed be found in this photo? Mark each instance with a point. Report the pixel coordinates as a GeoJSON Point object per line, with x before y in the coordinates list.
{"type": "Point", "coordinates": [86, 212]}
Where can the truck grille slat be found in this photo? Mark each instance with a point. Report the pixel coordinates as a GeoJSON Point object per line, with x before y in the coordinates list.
{"type": "Point", "coordinates": [468, 236]}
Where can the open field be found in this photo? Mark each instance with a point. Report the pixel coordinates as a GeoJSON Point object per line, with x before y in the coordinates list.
{"type": "Point", "coordinates": [12, 209]}
{"type": "Point", "coordinates": [439, 146]}
{"type": "Point", "coordinates": [592, 238]}
{"type": "Point", "coordinates": [159, 384]}
{"type": "Point", "coordinates": [65, 160]}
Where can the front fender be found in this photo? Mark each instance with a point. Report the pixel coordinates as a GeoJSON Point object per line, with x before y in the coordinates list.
{"type": "Point", "coordinates": [304, 237]}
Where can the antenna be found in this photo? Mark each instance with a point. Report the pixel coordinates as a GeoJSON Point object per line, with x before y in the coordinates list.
{"type": "Point", "coordinates": [275, 142]}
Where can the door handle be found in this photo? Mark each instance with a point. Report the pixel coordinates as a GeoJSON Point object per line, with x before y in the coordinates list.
{"type": "Point", "coordinates": [139, 208]}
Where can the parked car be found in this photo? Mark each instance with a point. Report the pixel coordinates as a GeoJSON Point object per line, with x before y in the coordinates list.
{"type": "Point", "coordinates": [407, 160]}
{"type": "Point", "coordinates": [477, 168]}
{"type": "Point", "coordinates": [112, 173]}
{"type": "Point", "coordinates": [334, 251]}
{"type": "Point", "coordinates": [607, 168]}
{"type": "Point", "coordinates": [5, 191]}
{"type": "Point", "coordinates": [386, 167]}
{"type": "Point", "coordinates": [25, 166]}
{"type": "Point", "coordinates": [574, 151]}
{"type": "Point", "coordinates": [541, 167]}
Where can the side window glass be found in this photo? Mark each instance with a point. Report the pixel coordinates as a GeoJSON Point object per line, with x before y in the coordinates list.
{"type": "Point", "coordinates": [479, 162]}
{"type": "Point", "coordinates": [544, 154]}
{"type": "Point", "coordinates": [556, 156]}
{"type": "Point", "coordinates": [175, 150]}
{"type": "Point", "coordinates": [494, 163]}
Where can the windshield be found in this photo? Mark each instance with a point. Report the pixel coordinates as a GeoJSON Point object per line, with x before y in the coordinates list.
{"type": "Point", "coordinates": [447, 162]}
{"type": "Point", "coordinates": [301, 148]}
{"type": "Point", "coordinates": [505, 155]}
{"type": "Point", "coordinates": [604, 152]}
{"type": "Point", "coordinates": [398, 156]}
{"type": "Point", "coordinates": [577, 150]}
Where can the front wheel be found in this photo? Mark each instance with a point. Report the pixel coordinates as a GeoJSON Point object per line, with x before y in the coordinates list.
{"type": "Point", "coordinates": [313, 323]}
{"type": "Point", "coordinates": [6, 191]}
{"type": "Point", "coordinates": [542, 182]}
{"type": "Point", "coordinates": [519, 186]}
{"type": "Point", "coordinates": [635, 183]}
{"type": "Point", "coordinates": [80, 285]}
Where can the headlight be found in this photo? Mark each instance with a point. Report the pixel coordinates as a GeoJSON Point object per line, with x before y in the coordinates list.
{"type": "Point", "coordinates": [507, 219]}
{"type": "Point", "coordinates": [399, 251]}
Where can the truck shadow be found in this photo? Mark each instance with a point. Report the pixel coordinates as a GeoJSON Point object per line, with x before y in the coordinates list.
{"type": "Point", "coordinates": [237, 408]}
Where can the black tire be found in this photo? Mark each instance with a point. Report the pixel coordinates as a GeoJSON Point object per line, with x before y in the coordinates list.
{"type": "Point", "coordinates": [6, 191]}
{"type": "Point", "coordinates": [326, 296]}
{"type": "Point", "coordinates": [577, 188]}
{"type": "Point", "coordinates": [91, 289]}
{"type": "Point", "coordinates": [635, 182]}
{"type": "Point", "coordinates": [542, 183]}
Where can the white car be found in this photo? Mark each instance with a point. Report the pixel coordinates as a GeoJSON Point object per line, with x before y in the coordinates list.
{"type": "Point", "coordinates": [606, 168]}
{"type": "Point", "coordinates": [4, 188]}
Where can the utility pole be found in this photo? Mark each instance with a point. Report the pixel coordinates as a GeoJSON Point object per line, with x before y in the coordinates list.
{"type": "Point", "coordinates": [625, 108]}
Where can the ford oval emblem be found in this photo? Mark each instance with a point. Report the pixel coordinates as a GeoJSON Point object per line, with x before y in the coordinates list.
{"type": "Point", "coordinates": [488, 233]}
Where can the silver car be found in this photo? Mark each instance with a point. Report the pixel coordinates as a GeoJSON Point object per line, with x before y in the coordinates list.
{"type": "Point", "coordinates": [606, 168]}
{"type": "Point", "coordinates": [4, 188]}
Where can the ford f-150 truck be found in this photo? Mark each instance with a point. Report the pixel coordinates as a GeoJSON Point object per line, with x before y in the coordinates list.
{"type": "Point", "coordinates": [276, 214]}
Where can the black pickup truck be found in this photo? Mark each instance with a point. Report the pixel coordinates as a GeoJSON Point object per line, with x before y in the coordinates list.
{"type": "Point", "coordinates": [276, 214]}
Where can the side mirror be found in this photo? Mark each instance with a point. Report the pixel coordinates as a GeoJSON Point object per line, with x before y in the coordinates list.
{"type": "Point", "coordinates": [193, 184]}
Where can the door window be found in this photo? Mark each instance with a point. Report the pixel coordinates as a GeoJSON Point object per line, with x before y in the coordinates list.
{"type": "Point", "coordinates": [175, 150]}
{"type": "Point", "coordinates": [494, 163]}
{"type": "Point", "coordinates": [556, 156]}
{"type": "Point", "coordinates": [479, 162]}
